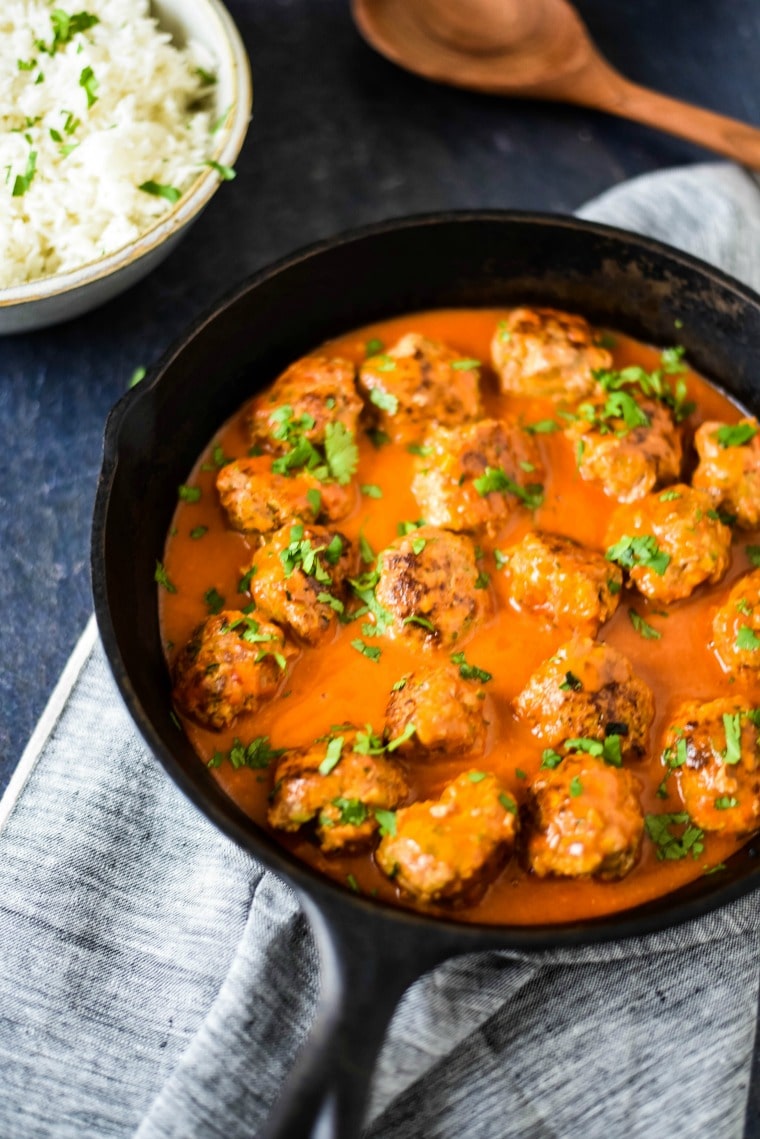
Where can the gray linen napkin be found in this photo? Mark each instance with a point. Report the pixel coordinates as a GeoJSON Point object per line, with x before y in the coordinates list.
{"type": "Point", "coordinates": [157, 983]}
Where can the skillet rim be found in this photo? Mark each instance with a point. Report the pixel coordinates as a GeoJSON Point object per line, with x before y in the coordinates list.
{"type": "Point", "coordinates": [663, 913]}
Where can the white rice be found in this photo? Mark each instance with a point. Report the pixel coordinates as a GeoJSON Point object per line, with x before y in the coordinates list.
{"type": "Point", "coordinates": [145, 127]}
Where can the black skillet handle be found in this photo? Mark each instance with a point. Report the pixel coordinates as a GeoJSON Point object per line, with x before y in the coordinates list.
{"type": "Point", "coordinates": [366, 964]}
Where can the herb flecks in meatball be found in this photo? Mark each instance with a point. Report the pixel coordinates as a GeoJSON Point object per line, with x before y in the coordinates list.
{"type": "Point", "coordinates": [449, 849]}
{"type": "Point", "coordinates": [419, 382]}
{"type": "Point", "coordinates": [435, 712]}
{"type": "Point", "coordinates": [670, 542]}
{"type": "Point", "coordinates": [299, 579]}
{"type": "Point", "coordinates": [714, 750]}
{"type": "Point", "coordinates": [627, 446]}
{"type": "Point", "coordinates": [736, 630]}
{"type": "Point", "coordinates": [474, 476]}
{"type": "Point", "coordinates": [344, 784]}
{"type": "Point", "coordinates": [231, 664]}
{"type": "Point", "coordinates": [311, 396]}
{"type": "Point", "coordinates": [428, 584]}
{"type": "Point", "coordinates": [259, 501]}
{"type": "Point", "coordinates": [543, 352]}
{"type": "Point", "coordinates": [729, 468]}
{"type": "Point", "coordinates": [588, 691]}
{"type": "Point", "coordinates": [583, 818]}
{"type": "Point", "coordinates": [553, 575]}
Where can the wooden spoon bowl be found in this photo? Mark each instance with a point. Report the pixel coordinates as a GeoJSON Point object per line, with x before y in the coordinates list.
{"type": "Point", "coordinates": [537, 49]}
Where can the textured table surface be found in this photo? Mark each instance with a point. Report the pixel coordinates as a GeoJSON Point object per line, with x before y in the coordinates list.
{"type": "Point", "coordinates": [339, 138]}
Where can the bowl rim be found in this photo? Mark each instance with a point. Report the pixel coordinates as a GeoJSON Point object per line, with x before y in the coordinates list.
{"type": "Point", "coordinates": [201, 190]}
{"type": "Point", "coordinates": [315, 889]}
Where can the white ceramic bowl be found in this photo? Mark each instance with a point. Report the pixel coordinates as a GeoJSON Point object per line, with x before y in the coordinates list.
{"type": "Point", "coordinates": [49, 300]}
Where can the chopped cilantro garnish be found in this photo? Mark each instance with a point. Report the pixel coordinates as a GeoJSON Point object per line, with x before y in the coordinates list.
{"type": "Point", "coordinates": [642, 627]}
{"type": "Point", "coordinates": [314, 499]}
{"type": "Point", "coordinates": [576, 787]}
{"type": "Point", "coordinates": [550, 759]}
{"type": "Point", "coordinates": [378, 438]}
{"type": "Point", "coordinates": [482, 580]}
{"type": "Point", "coordinates": [189, 493]}
{"type": "Point", "coordinates": [332, 755]}
{"type": "Point", "coordinates": [613, 585]}
{"type": "Point", "coordinates": [416, 619]}
{"type": "Point", "coordinates": [542, 427]}
{"type": "Point", "coordinates": [496, 479]}
{"type": "Point", "coordinates": [198, 532]}
{"type": "Point", "coordinates": [726, 802]}
{"type": "Point", "coordinates": [341, 452]}
{"type": "Point", "coordinates": [138, 375]}
{"type": "Point", "coordinates": [90, 85]}
{"type": "Point", "coordinates": [418, 545]}
{"type": "Point", "coordinates": [171, 193]}
{"type": "Point", "coordinates": [465, 365]}
{"type": "Point", "coordinates": [397, 687]}
{"type": "Point", "coordinates": [669, 495]}
{"type": "Point", "coordinates": [747, 640]}
{"type": "Point", "coordinates": [160, 575]}
{"type": "Point", "coordinates": [365, 550]}
{"type": "Point", "coordinates": [736, 435]}
{"type": "Point", "coordinates": [327, 599]}
{"type": "Point", "coordinates": [407, 734]}
{"type": "Point", "coordinates": [372, 652]}
{"type": "Point", "coordinates": [387, 821]}
{"type": "Point", "coordinates": [206, 77]}
{"type": "Point", "coordinates": [226, 173]}
{"type": "Point", "coordinates": [24, 181]}
{"type": "Point", "coordinates": [639, 551]}
{"type": "Point", "coordinates": [354, 885]}
{"type": "Point", "coordinates": [403, 528]}
{"type": "Point", "coordinates": [257, 754]}
{"type": "Point", "coordinates": [753, 553]}
{"type": "Point", "coordinates": [352, 811]}
{"type": "Point", "coordinates": [732, 724]}
{"type": "Point", "coordinates": [508, 803]}
{"type": "Point", "coordinates": [371, 491]}
{"type": "Point", "coordinates": [373, 347]}
{"type": "Point", "coordinates": [571, 683]}
{"type": "Point", "coordinates": [386, 401]}
{"type": "Point", "coordinates": [214, 600]}
{"type": "Point", "coordinates": [244, 584]}
{"type": "Point", "coordinates": [476, 776]}
{"type": "Point", "coordinates": [470, 671]}
{"type": "Point", "coordinates": [670, 846]}
{"type": "Point", "coordinates": [418, 449]}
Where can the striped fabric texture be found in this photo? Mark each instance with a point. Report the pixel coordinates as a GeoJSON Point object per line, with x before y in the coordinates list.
{"type": "Point", "coordinates": [157, 983]}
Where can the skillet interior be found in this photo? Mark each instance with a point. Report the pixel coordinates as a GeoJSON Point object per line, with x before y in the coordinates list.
{"type": "Point", "coordinates": [461, 260]}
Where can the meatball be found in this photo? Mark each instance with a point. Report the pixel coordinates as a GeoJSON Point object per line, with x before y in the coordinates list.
{"type": "Point", "coordinates": [670, 542]}
{"type": "Point", "coordinates": [543, 352]}
{"type": "Point", "coordinates": [230, 665]}
{"type": "Point", "coordinates": [259, 501]}
{"type": "Point", "coordinates": [299, 579]}
{"type": "Point", "coordinates": [337, 785]}
{"type": "Point", "coordinates": [714, 750]}
{"type": "Point", "coordinates": [449, 849]}
{"type": "Point", "coordinates": [588, 691]}
{"type": "Point", "coordinates": [438, 710]}
{"type": "Point", "coordinates": [475, 476]}
{"type": "Point", "coordinates": [583, 818]}
{"type": "Point", "coordinates": [554, 575]}
{"type": "Point", "coordinates": [736, 629]}
{"type": "Point", "coordinates": [626, 460]}
{"type": "Point", "coordinates": [729, 468]}
{"type": "Point", "coordinates": [419, 382]}
{"type": "Point", "coordinates": [310, 395]}
{"type": "Point", "coordinates": [428, 585]}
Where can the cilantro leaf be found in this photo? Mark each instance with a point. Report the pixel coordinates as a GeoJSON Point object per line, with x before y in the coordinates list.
{"type": "Point", "coordinates": [341, 452]}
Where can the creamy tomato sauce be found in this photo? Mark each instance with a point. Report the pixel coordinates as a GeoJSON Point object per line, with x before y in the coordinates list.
{"type": "Point", "coordinates": [332, 683]}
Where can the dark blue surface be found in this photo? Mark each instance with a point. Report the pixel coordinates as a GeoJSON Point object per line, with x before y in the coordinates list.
{"type": "Point", "coordinates": [339, 138]}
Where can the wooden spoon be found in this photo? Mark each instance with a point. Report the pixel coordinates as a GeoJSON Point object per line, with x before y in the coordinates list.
{"type": "Point", "coordinates": [537, 49]}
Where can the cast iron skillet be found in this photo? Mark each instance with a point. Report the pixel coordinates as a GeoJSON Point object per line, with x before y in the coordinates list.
{"type": "Point", "coordinates": [370, 952]}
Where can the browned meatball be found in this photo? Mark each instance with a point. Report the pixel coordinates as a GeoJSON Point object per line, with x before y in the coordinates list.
{"type": "Point", "coordinates": [545, 352]}
{"type": "Point", "coordinates": [449, 849]}
{"type": "Point", "coordinates": [583, 818]}
{"type": "Point", "coordinates": [475, 476]}
{"type": "Point", "coordinates": [444, 711]}
{"type": "Point", "coordinates": [309, 395]}
{"type": "Point", "coordinates": [571, 585]}
{"type": "Point", "coordinates": [588, 691]}
{"type": "Point", "coordinates": [729, 468]}
{"type": "Point", "coordinates": [670, 542]}
{"type": "Point", "coordinates": [736, 630]}
{"type": "Point", "coordinates": [337, 785]}
{"type": "Point", "coordinates": [627, 461]}
{"type": "Point", "coordinates": [419, 382]}
{"type": "Point", "coordinates": [299, 579]}
{"type": "Point", "coordinates": [230, 665]}
{"type": "Point", "coordinates": [259, 501]}
{"type": "Point", "coordinates": [428, 585]}
{"type": "Point", "coordinates": [714, 750]}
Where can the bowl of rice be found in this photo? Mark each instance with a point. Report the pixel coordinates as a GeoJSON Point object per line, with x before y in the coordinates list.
{"type": "Point", "coordinates": [119, 119]}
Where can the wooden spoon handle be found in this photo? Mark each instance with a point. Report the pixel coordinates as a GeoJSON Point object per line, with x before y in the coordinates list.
{"type": "Point", "coordinates": [716, 132]}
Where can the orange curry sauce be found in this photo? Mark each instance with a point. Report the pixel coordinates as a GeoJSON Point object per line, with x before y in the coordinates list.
{"type": "Point", "coordinates": [332, 683]}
